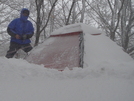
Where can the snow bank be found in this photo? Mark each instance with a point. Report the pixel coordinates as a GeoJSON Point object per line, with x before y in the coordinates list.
{"type": "Point", "coordinates": [108, 76]}
{"type": "Point", "coordinates": [100, 49]}
{"type": "Point", "coordinates": [22, 81]}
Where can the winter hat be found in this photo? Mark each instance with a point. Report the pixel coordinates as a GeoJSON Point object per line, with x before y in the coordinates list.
{"type": "Point", "coordinates": [26, 12]}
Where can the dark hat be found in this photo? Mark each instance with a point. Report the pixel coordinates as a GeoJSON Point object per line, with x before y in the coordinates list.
{"type": "Point", "coordinates": [26, 12]}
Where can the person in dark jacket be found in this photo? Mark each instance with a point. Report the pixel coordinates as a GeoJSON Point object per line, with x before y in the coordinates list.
{"type": "Point", "coordinates": [20, 30]}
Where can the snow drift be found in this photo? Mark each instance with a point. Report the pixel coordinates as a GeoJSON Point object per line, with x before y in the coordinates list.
{"type": "Point", "coordinates": [108, 75]}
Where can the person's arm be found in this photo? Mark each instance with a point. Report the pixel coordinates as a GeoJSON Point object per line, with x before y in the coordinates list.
{"type": "Point", "coordinates": [30, 33]}
{"type": "Point", "coordinates": [27, 36]}
{"type": "Point", "coordinates": [10, 32]}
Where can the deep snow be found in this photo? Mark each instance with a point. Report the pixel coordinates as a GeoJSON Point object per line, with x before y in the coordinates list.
{"type": "Point", "coordinates": [108, 75]}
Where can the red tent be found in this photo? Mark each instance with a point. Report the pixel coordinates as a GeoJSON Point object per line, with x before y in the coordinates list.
{"type": "Point", "coordinates": [65, 50]}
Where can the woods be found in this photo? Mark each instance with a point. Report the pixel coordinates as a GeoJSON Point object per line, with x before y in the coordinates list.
{"type": "Point", "coordinates": [115, 17]}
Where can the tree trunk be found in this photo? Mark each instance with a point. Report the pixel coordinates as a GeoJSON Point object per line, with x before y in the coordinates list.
{"type": "Point", "coordinates": [124, 33]}
{"type": "Point", "coordinates": [38, 20]}
{"type": "Point", "coordinates": [73, 2]}
{"type": "Point", "coordinates": [83, 11]}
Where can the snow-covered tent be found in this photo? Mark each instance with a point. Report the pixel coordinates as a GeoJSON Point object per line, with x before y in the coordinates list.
{"type": "Point", "coordinates": [76, 45]}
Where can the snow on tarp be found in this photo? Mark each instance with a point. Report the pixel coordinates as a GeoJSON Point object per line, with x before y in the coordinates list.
{"type": "Point", "coordinates": [62, 52]}
{"type": "Point", "coordinates": [80, 27]}
{"type": "Point", "coordinates": [64, 49]}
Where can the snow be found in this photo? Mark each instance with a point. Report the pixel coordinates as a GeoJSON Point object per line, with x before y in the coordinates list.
{"type": "Point", "coordinates": [76, 28]}
{"type": "Point", "coordinates": [108, 75]}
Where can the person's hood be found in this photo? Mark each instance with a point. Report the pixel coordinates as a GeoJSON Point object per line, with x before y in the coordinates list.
{"type": "Point", "coordinates": [24, 18]}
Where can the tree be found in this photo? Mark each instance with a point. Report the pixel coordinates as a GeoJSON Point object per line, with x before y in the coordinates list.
{"type": "Point", "coordinates": [107, 15]}
{"type": "Point", "coordinates": [40, 26]}
{"type": "Point", "coordinates": [5, 16]}
{"type": "Point", "coordinates": [117, 19]}
{"type": "Point", "coordinates": [82, 11]}
{"type": "Point", "coordinates": [72, 6]}
{"type": "Point", "coordinates": [127, 26]}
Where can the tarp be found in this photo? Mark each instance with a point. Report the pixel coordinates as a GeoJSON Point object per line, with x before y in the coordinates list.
{"type": "Point", "coordinates": [63, 52]}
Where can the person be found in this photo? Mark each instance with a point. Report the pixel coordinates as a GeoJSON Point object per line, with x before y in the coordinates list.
{"type": "Point", "coordinates": [20, 30]}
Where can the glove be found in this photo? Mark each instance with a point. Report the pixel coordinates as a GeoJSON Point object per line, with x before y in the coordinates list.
{"type": "Point", "coordinates": [24, 37]}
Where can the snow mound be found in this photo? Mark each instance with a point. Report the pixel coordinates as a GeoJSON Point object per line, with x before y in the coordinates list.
{"type": "Point", "coordinates": [79, 27]}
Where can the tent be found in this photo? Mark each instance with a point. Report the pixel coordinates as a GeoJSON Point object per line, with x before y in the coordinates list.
{"type": "Point", "coordinates": [76, 45]}
{"type": "Point", "coordinates": [64, 48]}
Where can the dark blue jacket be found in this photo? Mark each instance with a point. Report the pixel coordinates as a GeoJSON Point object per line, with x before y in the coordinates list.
{"type": "Point", "coordinates": [21, 26]}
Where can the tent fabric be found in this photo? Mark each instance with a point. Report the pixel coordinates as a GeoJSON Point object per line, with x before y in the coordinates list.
{"type": "Point", "coordinates": [61, 53]}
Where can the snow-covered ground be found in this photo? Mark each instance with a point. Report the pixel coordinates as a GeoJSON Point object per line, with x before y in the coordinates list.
{"type": "Point", "coordinates": [108, 75]}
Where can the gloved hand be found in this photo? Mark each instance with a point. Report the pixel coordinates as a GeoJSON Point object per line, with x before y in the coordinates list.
{"type": "Point", "coordinates": [24, 37]}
